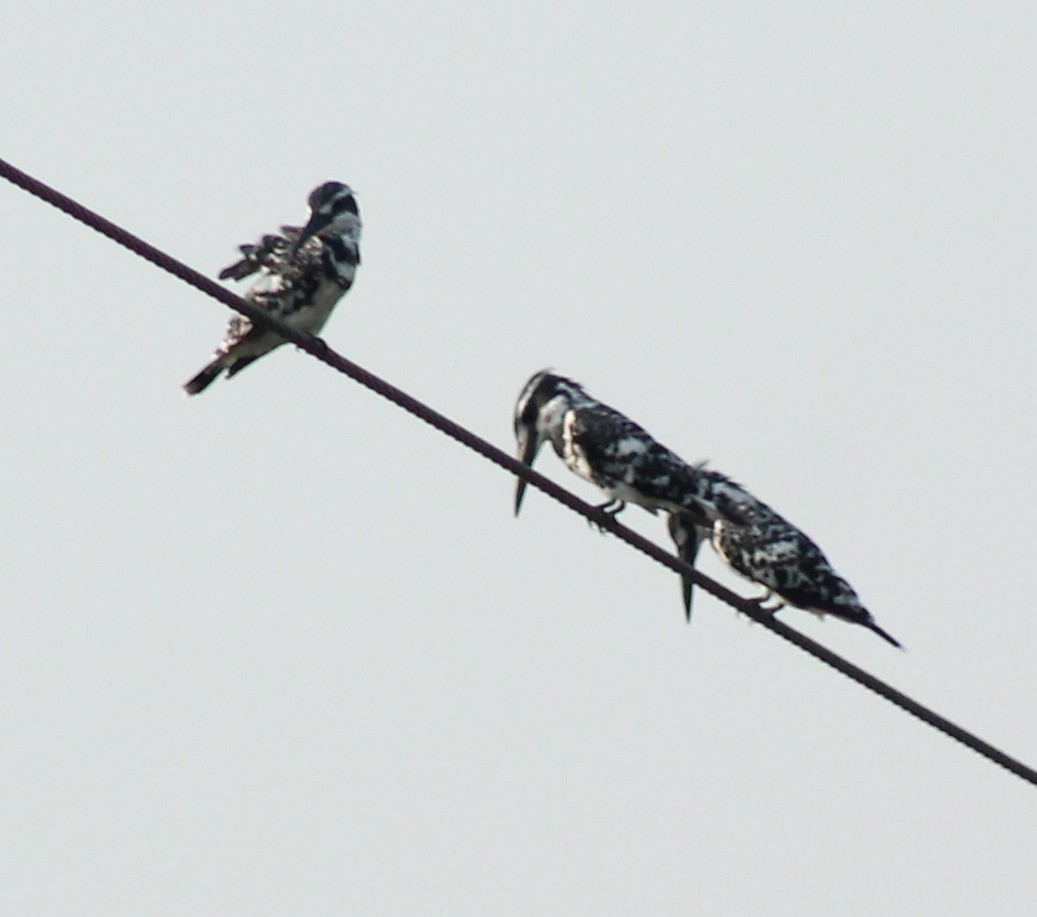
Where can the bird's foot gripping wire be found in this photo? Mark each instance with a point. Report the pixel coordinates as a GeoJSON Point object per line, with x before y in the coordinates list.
{"type": "Point", "coordinates": [607, 511]}
{"type": "Point", "coordinates": [768, 603]}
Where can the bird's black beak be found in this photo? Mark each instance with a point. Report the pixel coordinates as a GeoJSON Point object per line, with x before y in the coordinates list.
{"type": "Point", "coordinates": [687, 539]}
{"type": "Point", "coordinates": [686, 587]}
{"type": "Point", "coordinates": [318, 222]}
{"type": "Point", "coordinates": [527, 449]}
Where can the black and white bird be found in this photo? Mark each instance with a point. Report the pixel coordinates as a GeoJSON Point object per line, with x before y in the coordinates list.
{"type": "Point", "coordinates": [303, 273]}
{"type": "Point", "coordinates": [606, 448]}
{"type": "Point", "coordinates": [609, 450]}
{"type": "Point", "coordinates": [770, 551]}
{"type": "Point", "coordinates": [791, 568]}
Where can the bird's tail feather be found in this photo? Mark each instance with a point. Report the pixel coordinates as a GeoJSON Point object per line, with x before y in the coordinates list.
{"type": "Point", "coordinates": [204, 379]}
{"type": "Point", "coordinates": [871, 625]}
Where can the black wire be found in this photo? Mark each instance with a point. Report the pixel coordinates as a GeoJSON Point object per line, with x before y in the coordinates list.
{"type": "Point", "coordinates": [318, 348]}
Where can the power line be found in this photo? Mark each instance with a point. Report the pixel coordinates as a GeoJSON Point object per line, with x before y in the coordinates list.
{"type": "Point", "coordinates": [316, 347]}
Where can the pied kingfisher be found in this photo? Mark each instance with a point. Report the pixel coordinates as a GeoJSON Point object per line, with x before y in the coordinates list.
{"type": "Point", "coordinates": [793, 570]}
{"type": "Point", "coordinates": [609, 450]}
{"type": "Point", "coordinates": [303, 273]}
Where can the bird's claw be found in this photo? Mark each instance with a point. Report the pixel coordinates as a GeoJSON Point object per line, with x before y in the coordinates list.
{"type": "Point", "coordinates": [606, 511]}
{"type": "Point", "coordinates": [760, 603]}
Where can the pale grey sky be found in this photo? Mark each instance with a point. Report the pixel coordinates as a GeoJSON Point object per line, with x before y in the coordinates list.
{"type": "Point", "coordinates": [282, 649]}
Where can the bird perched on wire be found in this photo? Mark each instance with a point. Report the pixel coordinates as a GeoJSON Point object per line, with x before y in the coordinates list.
{"type": "Point", "coordinates": [606, 448]}
{"type": "Point", "coordinates": [611, 451]}
{"type": "Point", "coordinates": [772, 552]}
{"type": "Point", "coordinates": [303, 273]}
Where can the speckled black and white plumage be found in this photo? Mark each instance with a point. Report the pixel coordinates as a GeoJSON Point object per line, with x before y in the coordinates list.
{"type": "Point", "coordinates": [609, 450]}
{"type": "Point", "coordinates": [767, 549]}
{"type": "Point", "coordinates": [771, 551]}
{"type": "Point", "coordinates": [606, 448]}
{"type": "Point", "coordinates": [303, 273]}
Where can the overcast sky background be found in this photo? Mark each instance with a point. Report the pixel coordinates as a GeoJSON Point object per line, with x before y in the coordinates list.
{"type": "Point", "coordinates": [283, 649]}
